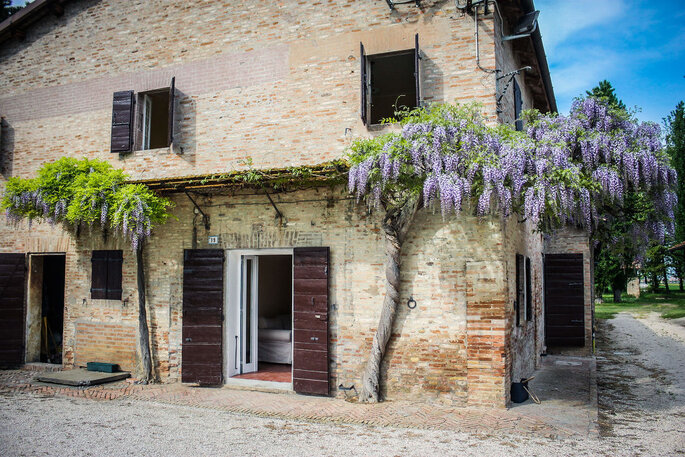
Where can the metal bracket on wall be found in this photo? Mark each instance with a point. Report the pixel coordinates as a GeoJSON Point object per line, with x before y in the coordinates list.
{"type": "Point", "coordinates": [205, 217]}
{"type": "Point", "coordinates": [278, 213]}
{"type": "Point", "coordinates": [511, 76]}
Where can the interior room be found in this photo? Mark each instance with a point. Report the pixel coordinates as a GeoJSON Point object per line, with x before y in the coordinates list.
{"type": "Point", "coordinates": [45, 309]}
{"type": "Point", "coordinates": [274, 311]}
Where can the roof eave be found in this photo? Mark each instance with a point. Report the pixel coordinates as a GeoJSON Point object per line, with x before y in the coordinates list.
{"type": "Point", "coordinates": [17, 23]}
{"type": "Point", "coordinates": [536, 38]}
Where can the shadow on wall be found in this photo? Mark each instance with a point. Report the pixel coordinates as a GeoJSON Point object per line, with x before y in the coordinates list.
{"type": "Point", "coordinates": [6, 148]}
{"type": "Point", "coordinates": [431, 81]}
{"type": "Point", "coordinates": [185, 121]}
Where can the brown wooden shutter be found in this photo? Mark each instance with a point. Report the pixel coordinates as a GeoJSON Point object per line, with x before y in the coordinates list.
{"type": "Point", "coordinates": [362, 59]}
{"type": "Point", "coordinates": [529, 292]}
{"type": "Point", "coordinates": [172, 94]}
{"type": "Point", "coordinates": [417, 69]}
{"type": "Point", "coordinates": [520, 293]}
{"type": "Point", "coordinates": [518, 107]}
{"type": "Point", "coordinates": [203, 314]}
{"type": "Point", "coordinates": [310, 329]}
{"type": "Point", "coordinates": [12, 287]}
{"type": "Point", "coordinates": [115, 260]}
{"type": "Point", "coordinates": [98, 284]}
{"type": "Point", "coordinates": [106, 274]}
{"type": "Point", "coordinates": [122, 121]}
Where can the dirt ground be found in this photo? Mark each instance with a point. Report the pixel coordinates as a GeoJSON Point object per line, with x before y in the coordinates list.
{"type": "Point", "coordinates": [641, 389]}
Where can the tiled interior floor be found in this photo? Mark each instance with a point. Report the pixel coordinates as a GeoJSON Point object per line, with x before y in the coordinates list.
{"type": "Point", "coordinates": [275, 372]}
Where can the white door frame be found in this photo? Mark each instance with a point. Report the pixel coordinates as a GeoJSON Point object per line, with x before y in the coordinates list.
{"type": "Point", "coordinates": [233, 297]}
{"type": "Point", "coordinates": [253, 295]}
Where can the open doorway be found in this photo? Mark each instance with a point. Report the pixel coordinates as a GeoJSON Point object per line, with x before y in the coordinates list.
{"type": "Point", "coordinates": [259, 339]}
{"type": "Point", "coordinates": [45, 308]}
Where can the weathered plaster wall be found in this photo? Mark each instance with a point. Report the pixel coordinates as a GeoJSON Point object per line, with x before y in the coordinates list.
{"type": "Point", "coordinates": [526, 338]}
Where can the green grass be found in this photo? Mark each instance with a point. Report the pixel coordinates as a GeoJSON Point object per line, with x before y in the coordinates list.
{"type": "Point", "coordinates": [670, 305]}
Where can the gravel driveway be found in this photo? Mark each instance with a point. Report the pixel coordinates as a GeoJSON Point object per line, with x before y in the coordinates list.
{"type": "Point", "coordinates": [641, 371]}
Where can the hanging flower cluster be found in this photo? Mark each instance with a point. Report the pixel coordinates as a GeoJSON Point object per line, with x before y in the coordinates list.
{"type": "Point", "coordinates": [563, 169]}
{"type": "Point", "coordinates": [82, 193]}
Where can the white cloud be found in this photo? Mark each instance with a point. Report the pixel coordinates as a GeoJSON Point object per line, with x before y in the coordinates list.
{"type": "Point", "coordinates": [560, 20]}
{"type": "Point", "coordinates": [579, 71]}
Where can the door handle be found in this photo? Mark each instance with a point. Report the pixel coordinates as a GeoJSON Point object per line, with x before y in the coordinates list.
{"type": "Point", "coordinates": [235, 359]}
{"type": "Point", "coordinates": [188, 340]}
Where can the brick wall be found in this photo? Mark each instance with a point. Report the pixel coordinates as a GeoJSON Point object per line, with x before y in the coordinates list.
{"type": "Point", "coordinates": [277, 84]}
{"type": "Point", "coordinates": [105, 342]}
{"type": "Point", "coordinates": [451, 348]}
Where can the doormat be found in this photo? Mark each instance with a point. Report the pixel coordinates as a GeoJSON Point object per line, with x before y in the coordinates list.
{"type": "Point", "coordinates": [82, 378]}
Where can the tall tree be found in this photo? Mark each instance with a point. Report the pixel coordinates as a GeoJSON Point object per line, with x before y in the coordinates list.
{"type": "Point", "coordinates": [607, 92]}
{"type": "Point", "coordinates": [675, 146]}
{"type": "Point", "coordinates": [618, 247]}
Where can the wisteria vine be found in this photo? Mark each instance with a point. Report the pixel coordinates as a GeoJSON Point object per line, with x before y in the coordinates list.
{"type": "Point", "coordinates": [561, 170]}
{"type": "Point", "coordinates": [83, 193]}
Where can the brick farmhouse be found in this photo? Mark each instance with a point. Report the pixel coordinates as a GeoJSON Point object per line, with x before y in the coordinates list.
{"type": "Point", "coordinates": [287, 284]}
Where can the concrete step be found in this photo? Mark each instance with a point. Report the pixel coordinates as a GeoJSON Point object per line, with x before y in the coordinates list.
{"type": "Point", "coordinates": [40, 366]}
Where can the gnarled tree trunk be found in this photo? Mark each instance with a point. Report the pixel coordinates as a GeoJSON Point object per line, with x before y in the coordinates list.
{"type": "Point", "coordinates": [398, 219]}
{"type": "Point", "coordinates": [143, 331]}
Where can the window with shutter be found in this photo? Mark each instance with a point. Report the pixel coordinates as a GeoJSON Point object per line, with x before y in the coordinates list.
{"type": "Point", "coordinates": [152, 115]}
{"type": "Point", "coordinates": [529, 292]}
{"type": "Point", "coordinates": [106, 274]}
{"type": "Point", "coordinates": [122, 122]}
{"type": "Point", "coordinates": [390, 82]}
{"type": "Point", "coordinates": [518, 107]}
{"type": "Point", "coordinates": [520, 291]}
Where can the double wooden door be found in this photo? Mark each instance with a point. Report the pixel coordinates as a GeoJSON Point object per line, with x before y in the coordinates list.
{"type": "Point", "coordinates": [204, 286]}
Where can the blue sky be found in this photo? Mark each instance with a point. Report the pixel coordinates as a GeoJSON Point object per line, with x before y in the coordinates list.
{"type": "Point", "coordinates": [638, 45]}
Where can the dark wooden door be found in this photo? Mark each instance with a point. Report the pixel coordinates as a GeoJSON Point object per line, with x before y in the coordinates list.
{"type": "Point", "coordinates": [564, 300]}
{"type": "Point", "coordinates": [203, 313]}
{"type": "Point", "coordinates": [310, 329]}
{"type": "Point", "coordinates": [12, 287]}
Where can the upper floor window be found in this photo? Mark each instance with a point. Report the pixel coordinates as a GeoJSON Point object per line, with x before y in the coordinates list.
{"type": "Point", "coordinates": [389, 81]}
{"type": "Point", "coordinates": [154, 119]}
{"type": "Point", "coordinates": [518, 107]}
{"type": "Point", "coordinates": [143, 121]}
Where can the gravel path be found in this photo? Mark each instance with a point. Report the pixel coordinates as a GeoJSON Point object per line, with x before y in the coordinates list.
{"type": "Point", "coordinates": [641, 371]}
{"type": "Point", "coordinates": [641, 382]}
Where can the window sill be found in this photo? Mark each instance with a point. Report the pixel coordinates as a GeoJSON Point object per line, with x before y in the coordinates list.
{"type": "Point", "coordinates": [165, 149]}
{"type": "Point", "coordinates": [383, 127]}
